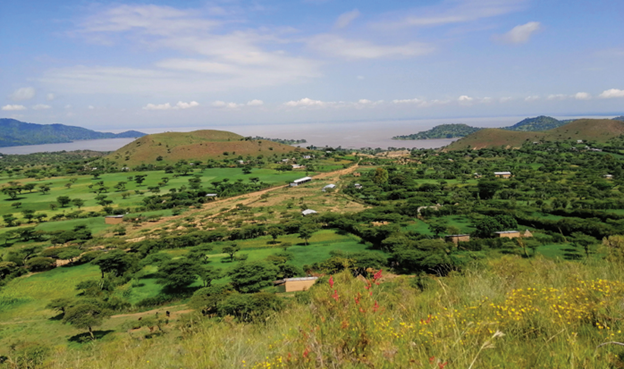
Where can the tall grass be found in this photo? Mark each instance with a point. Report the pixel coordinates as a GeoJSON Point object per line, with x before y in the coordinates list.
{"type": "Point", "coordinates": [505, 313]}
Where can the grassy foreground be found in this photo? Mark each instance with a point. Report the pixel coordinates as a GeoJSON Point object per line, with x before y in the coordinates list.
{"type": "Point", "coordinates": [504, 313]}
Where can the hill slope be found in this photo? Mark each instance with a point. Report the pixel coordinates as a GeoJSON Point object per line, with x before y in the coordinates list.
{"type": "Point", "coordinates": [171, 147]}
{"type": "Point", "coordinates": [541, 123]}
{"type": "Point", "coordinates": [441, 131]}
{"type": "Point", "coordinates": [598, 130]}
{"type": "Point", "coordinates": [16, 133]}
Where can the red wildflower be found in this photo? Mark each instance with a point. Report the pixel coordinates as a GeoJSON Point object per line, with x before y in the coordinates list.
{"type": "Point", "coordinates": [377, 275]}
{"type": "Point", "coordinates": [376, 307]}
{"type": "Point", "coordinates": [431, 359]}
{"type": "Point", "coordinates": [357, 299]}
{"type": "Point", "coordinates": [362, 311]}
{"type": "Point", "coordinates": [306, 352]}
{"type": "Point", "coordinates": [442, 365]}
{"type": "Point", "coordinates": [331, 281]}
{"type": "Point", "coordinates": [335, 295]}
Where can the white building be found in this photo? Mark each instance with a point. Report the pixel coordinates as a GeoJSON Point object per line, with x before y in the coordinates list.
{"type": "Point", "coordinates": [299, 181]}
{"type": "Point", "coordinates": [308, 212]}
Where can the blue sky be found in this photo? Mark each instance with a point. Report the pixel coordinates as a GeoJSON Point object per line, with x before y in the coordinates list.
{"type": "Point", "coordinates": [145, 64]}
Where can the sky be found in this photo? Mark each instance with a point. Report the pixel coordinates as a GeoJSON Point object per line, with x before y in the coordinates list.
{"type": "Point", "coordinates": [166, 64]}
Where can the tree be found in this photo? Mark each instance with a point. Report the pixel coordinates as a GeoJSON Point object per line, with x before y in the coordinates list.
{"type": "Point", "coordinates": [78, 203]}
{"type": "Point", "coordinates": [41, 216]}
{"type": "Point", "coordinates": [9, 219]}
{"type": "Point", "coordinates": [275, 232]}
{"type": "Point", "coordinates": [179, 273]}
{"type": "Point", "coordinates": [28, 214]}
{"type": "Point", "coordinates": [381, 176]}
{"type": "Point", "coordinates": [486, 226]}
{"type": "Point", "coordinates": [200, 253]}
{"type": "Point", "coordinates": [121, 186]}
{"type": "Point", "coordinates": [86, 315]}
{"type": "Point", "coordinates": [40, 263]}
{"type": "Point", "coordinates": [306, 231]}
{"type": "Point", "coordinates": [116, 262]}
{"type": "Point", "coordinates": [44, 188]}
{"type": "Point", "coordinates": [139, 178]}
{"type": "Point", "coordinates": [231, 250]}
{"type": "Point", "coordinates": [63, 200]}
{"type": "Point", "coordinates": [209, 274]}
{"type": "Point", "coordinates": [488, 188]}
{"type": "Point", "coordinates": [61, 305]}
{"type": "Point", "coordinates": [68, 185]}
{"type": "Point", "coordinates": [11, 192]}
{"type": "Point", "coordinates": [16, 205]}
{"type": "Point", "coordinates": [53, 206]}
{"type": "Point", "coordinates": [437, 227]}
{"type": "Point", "coordinates": [29, 187]}
{"type": "Point", "coordinates": [249, 277]}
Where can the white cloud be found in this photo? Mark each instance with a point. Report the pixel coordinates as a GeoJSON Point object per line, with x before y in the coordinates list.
{"type": "Point", "coordinates": [91, 107]}
{"type": "Point", "coordinates": [68, 106]}
{"type": "Point", "coordinates": [346, 18]}
{"type": "Point", "coordinates": [451, 12]}
{"type": "Point", "coordinates": [531, 98]}
{"type": "Point", "coordinates": [306, 102]}
{"type": "Point", "coordinates": [41, 107]}
{"type": "Point", "coordinates": [13, 107]}
{"type": "Point", "coordinates": [582, 96]}
{"type": "Point", "coordinates": [364, 102]}
{"type": "Point", "coordinates": [557, 97]}
{"type": "Point", "coordinates": [50, 96]}
{"type": "Point", "coordinates": [255, 102]}
{"type": "Point", "coordinates": [505, 99]}
{"type": "Point", "coordinates": [360, 77]}
{"type": "Point", "coordinates": [520, 34]}
{"type": "Point", "coordinates": [359, 49]}
{"type": "Point", "coordinates": [180, 105]}
{"type": "Point", "coordinates": [24, 93]}
{"type": "Point", "coordinates": [464, 98]}
{"type": "Point", "coordinates": [226, 105]}
{"type": "Point", "coordinates": [614, 92]}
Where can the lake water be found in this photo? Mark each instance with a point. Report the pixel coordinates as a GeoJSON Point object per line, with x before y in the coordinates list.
{"type": "Point", "coordinates": [110, 144]}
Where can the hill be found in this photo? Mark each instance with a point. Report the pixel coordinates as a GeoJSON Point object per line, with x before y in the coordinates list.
{"type": "Point", "coordinates": [619, 118]}
{"type": "Point", "coordinates": [541, 123]}
{"type": "Point", "coordinates": [16, 133]}
{"type": "Point", "coordinates": [171, 147]}
{"type": "Point", "coordinates": [597, 130]}
{"type": "Point", "coordinates": [441, 131]}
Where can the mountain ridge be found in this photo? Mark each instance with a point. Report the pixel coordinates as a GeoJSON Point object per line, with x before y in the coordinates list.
{"type": "Point", "coordinates": [17, 133]}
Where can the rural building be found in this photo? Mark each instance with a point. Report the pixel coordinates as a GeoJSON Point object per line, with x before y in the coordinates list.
{"type": "Point", "coordinates": [477, 175]}
{"type": "Point", "coordinates": [307, 156]}
{"type": "Point", "coordinates": [212, 196]}
{"type": "Point", "coordinates": [579, 141]}
{"type": "Point", "coordinates": [502, 174]}
{"type": "Point", "coordinates": [329, 187]}
{"type": "Point", "coordinates": [113, 219]}
{"type": "Point", "coordinates": [608, 176]}
{"type": "Point", "coordinates": [527, 233]}
{"type": "Point", "coordinates": [299, 181]}
{"type": "Point", "coordinates": [358, 186]}
{"type": "Point", "coordinates": [357, 174]}
{"type": "Point", "coordinates": [297, 166]}
{"type": "Point", "coordinates": [457, 238]}
{"type": "Point", "coordinates": [308, 212]}
{"type": "Point", "coordinates": [508, 234]}
{"type": "Point", "coordinates": [296, 284]}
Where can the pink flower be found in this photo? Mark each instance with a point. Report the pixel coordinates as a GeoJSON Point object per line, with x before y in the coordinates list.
{"type": "Point", "coordinates": [331, 281]}
{"type": "Point", "coordinates": [335, 295]}
{"type": "Point", "coordinates": [306, 352]}
{"type": "Point", "coordinates": [376, 307]}
{"type": "Point", "coordinates": [377, 275]}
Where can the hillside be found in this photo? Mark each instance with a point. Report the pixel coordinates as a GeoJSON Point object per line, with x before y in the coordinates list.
{"type": "Point", "coordinates": [597, 130]}
{"type": "Point", "coordinates": [619, 118]}
{"type": "Point", "coordinates": [171, 147]}
{"type": "Point", "coordinates": [16, 133]}
{"type": "Point", "coordinates": [441, 131]}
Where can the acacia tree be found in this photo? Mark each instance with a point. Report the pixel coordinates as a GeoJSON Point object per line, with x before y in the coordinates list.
{"type": "Point", "coordinates": [63, 200]}
{"type": "Point", "coordinates": [78, 203]}
{"type": "Point", "coordinates": [306, 231]}
{"type": "Point", "coordinates": [179, 273]}
{"type": "Point", "coordinates": [231, 250]}
{"type": "Point", "coordinates": [253, 276]}
{"type": "Point", "coordinates": [86, 315]}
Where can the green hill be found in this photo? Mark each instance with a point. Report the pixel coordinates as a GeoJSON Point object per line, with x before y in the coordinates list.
{"type": "Point", "coordinates": [541, 123]}
{"type": "Point", "coordinates": [621, 117]}
{"type": "Point", "coordinates": [597, 130]}
{"type": "Point", "coordinates": [171, 147]}
{"type": "Point", "coordinates": [441, 131]}
{"type": "Point", "coordinates": [16, 133]}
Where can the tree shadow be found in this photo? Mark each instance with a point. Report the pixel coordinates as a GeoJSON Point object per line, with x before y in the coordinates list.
{"type": "Point", "coordinates": [57, 317]}
{"type": "Point", "coordinates": [86, 337]}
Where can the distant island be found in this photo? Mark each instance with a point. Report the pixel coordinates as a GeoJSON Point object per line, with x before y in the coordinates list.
{"type": "Point", "coordinates": [284, 141]}
{"type": "Point", "coordinates": [16, 133]}
{"type": "Point", "coordinates": [541, 123]}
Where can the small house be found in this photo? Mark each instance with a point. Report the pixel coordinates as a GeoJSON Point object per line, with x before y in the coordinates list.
{"type": "Point", "coordinates": [358, 186]}
{"type": "Point", "coordinates": [357, 174]}
{"type": "Point", "coordinates": [308, 212]}
{"type": "Point", "coordinates": [476, 175]}
{"type": "Point", "coordinates": [307, 156]}
{"type": "Point", "coordinates": [579, 141]}
{"type": "Point", "coordinates": [608, 176]}
{"type": "Point", "coordinates": [502, 174]}
{"type": "Point", "coordinates": [299, 181]}
{"type": "Point", "coordinates": [527, 233]}
{"type": "Point", "coordinates": [508, 234]}
{"type": "Point", "coordinates": [457, 238]}
{"type": "Point", "coordinates": [295, 284]}
{"type": "Point", "coordinates": [297, 166]}
{"type": "Point", "coordinates": [211, 196]}
{"type": "Point", "coordinates": [113, 219]}
{"type": "Point", "coordinates": [329, 187]}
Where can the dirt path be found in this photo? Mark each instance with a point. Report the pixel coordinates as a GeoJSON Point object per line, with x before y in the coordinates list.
{"type": "Point", "coordinates": [248, 199]}
{"type": "Point", "coordinates": [161, 311]}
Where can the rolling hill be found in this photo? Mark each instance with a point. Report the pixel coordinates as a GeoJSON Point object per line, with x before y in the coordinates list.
{"type": "Point", "coordinates": [597, 130]}
{"type": "Point", "coordinates": [171, 147]}
{"type": "Point", "coordinates": [16, 133]}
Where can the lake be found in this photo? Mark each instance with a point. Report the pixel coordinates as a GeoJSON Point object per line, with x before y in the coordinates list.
{"type": "Point", "coordinates": [110, 144]}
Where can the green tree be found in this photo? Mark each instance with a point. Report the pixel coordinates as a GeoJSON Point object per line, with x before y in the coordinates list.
{"type": "Point", "coordinates": [209, 274]}
{"type": "Point", "coordinates": [487, 188]}
{"type": "Point", "coordinates": [139, 178]}
{"type": "Point", "coordinates": [179, 273]}
{"type": "Point", "coordinates": [275, 232]}
{"type": "Point", "coordinates": [486, 227]}
{"type": "Point", "coordinates": [86, 315]}
{"type": "Point", "coordinates": [231, 250]}
{"type": "Point", "coordinates": [200, 253]}
{"type": "Point", "coordinates": [306, 231]}
{"type": "Point", "coordinates": [9, 219]}
{"type": "Point", "coordinates": [16, 205]}
{"type": "Point", "coordinates": [249, 277]}
{"type": "Point", "coordinates": [40, 263]}
{"type": "Point", "coordinates": [61, 305]}
{"type": "Point", "coordinates": [116, 262]}
{"type": "Point", "coordinates": [381, 176]}
{"type": "Point", "coordinates": [78, 203]}
{"type": "Point", "coordinates": [437, 227]}
{"type": "Point", "coordinates": [63, 200]}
